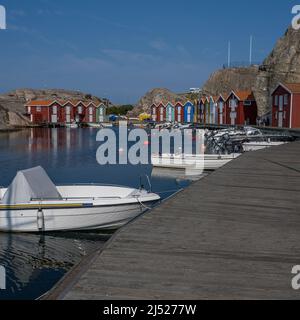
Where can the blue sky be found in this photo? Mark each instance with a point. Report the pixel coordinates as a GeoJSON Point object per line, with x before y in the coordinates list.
{"type": "Point", "coordinates": [120, 49]}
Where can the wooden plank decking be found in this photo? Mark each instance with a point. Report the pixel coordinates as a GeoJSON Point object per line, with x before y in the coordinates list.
{"type": "Point", "coordinates": [232, 235]}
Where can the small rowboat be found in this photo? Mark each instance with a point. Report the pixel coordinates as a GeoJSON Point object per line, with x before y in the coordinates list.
{"type": "Point", "coordinates": [32, 203]}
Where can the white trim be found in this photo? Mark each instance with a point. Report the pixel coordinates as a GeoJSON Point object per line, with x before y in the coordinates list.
{"type": "Point", "coordinates": [190, 103]}
{"type": "Point", "coordinates": [68, 102]}
{"type": "Point", "coordinates": [232, 92]}
{"type": "Point", "coordinates": [159, 106]}
{"type": "Point", "coordinates": [283, 86]}
{"type": "Point", "coordinates": [170, 104]}
{"type": "Point", "coordinates": [221, 96]}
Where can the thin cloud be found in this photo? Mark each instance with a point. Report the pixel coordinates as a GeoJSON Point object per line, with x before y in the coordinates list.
{"type": "Point", "coordinates": [159, 45]}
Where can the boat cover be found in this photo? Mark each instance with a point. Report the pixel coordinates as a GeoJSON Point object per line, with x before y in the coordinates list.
{"type": "Point", "coordinates": [30, 184]}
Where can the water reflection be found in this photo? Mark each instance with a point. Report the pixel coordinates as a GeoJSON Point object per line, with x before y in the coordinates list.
{"type": "Point", "coordinates": [68, 155]}
{"type": "Point", "coordinates": [34, 263]}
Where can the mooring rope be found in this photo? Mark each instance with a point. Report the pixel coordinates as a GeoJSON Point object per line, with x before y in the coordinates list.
{"type": "Point", "coordinates": [141, 203]}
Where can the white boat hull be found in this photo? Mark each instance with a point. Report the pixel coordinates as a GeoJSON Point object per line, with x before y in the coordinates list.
{"type": "Point", "coordinates": [68, 219]}
{"type": "Point", "coordinates": [255, 146]}
{"type": "Point", "coordinates": [206, 163]}
{"type": "Point", "coordinates": [84, 208]}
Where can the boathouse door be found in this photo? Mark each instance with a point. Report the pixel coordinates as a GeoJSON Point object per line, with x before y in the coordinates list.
{"type": "Point", "coordinates": [189, 115]}
{"type": "Point", "coordinates": [179, 114]}
{"type": "Point", "coordinates": [280, 113]}
{"type": "Point", "coordinates": [162, 114]}
{"type": "Point", "coordinates": [54, 114]}
{"type": "Point", "coordinates": [101, 115]}
{"type": "Point", "coordinates": [91, 118]}
{"type": "Point", "coordinates": [170, 114]}
{"type": "Point", "coordinates": [221, 112]}
{"type": "Point", "coordinates": [68, 114]}
{"type": "Point", "coordinates": [233, 113]}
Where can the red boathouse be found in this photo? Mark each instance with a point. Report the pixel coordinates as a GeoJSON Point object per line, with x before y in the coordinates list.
{"type": "Point", "coordinates": [241, 108]}
{"type": "Point", "coordinates": [179, 112]}
{"type": "Point", "coordinates": [161, 113]}
{"type": "Point", "coordinates": [286, 106]}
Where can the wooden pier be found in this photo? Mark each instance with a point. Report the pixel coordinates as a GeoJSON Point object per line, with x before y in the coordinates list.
{"type": "Point", "coordinates": [233, 235]}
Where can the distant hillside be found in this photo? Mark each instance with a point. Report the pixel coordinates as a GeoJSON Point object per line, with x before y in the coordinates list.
{"type": "Point", "coordinates": [12, 103]}
{"type": "Point", "coordinates": [157, 96]}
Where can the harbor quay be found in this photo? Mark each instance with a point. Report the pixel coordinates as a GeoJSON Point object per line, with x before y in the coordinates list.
{"type": "Point", "coordinates": [231, 235]}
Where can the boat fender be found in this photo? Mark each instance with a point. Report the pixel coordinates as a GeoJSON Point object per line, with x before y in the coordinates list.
{"type": "Point", "coordinates": [40, 220]}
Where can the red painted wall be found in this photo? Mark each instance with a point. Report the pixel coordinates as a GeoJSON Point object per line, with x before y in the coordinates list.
{"type": "Point", "coordinates": [296, 111]}
{"type": "Point", "coordinates": [40, 115]}
{"type": "Point", "coordinates": [250, 114]}
{"type": "Point", "coordinates": [245, 114]}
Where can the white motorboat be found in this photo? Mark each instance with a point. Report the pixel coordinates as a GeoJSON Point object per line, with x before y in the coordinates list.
{"type": "Point", "coordinates": [259, 145]}
{"type": "Point", "coordinates": [207, 162]}
{"type": "Point", "coordinates": [32, 203]}
{"type": "Point", "coordinates": [106, 125]}
{"type": "Point", "coordinates": [94, 125]}
{"type": "Point", "coordinates": [73, 125]}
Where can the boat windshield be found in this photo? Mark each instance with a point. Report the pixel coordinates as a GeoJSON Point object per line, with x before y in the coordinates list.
{"type": "Point", "coordinates": [30, 184]}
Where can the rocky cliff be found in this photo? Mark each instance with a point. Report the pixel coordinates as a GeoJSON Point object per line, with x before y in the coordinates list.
{"type": "Point", "coordinates": [12, 103]}
{"type": "Point", "coordinates": [223, 81]}
{"type": "Point", "coordinates": [282, 65]}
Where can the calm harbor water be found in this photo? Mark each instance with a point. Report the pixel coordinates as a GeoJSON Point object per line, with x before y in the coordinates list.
{"type": "Point", "coordinates": [34, 263]}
